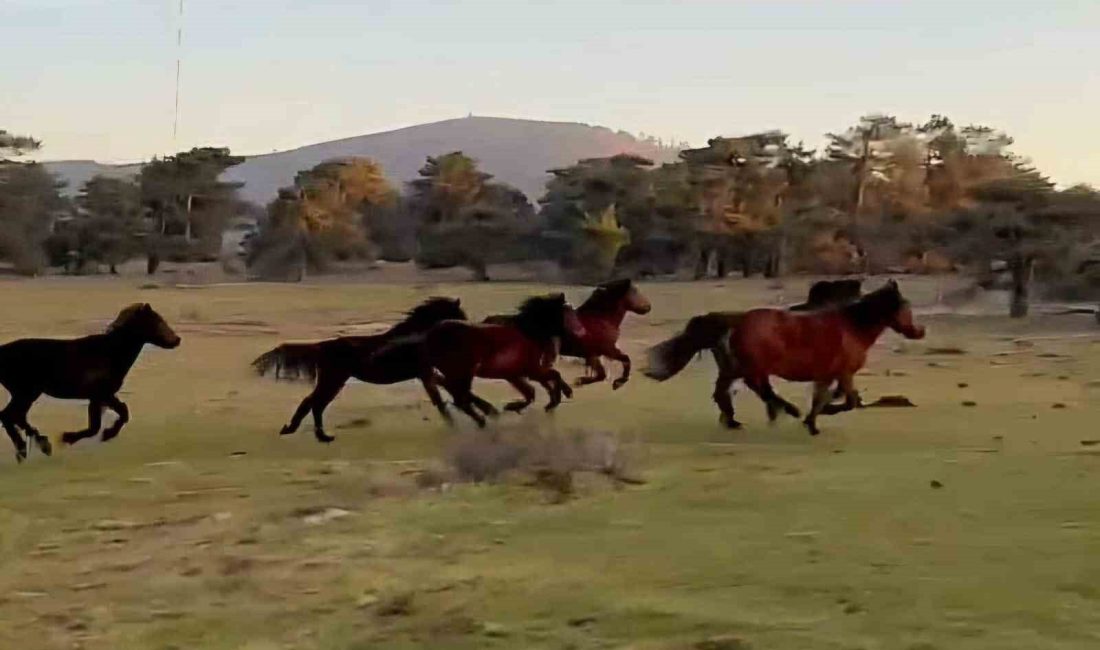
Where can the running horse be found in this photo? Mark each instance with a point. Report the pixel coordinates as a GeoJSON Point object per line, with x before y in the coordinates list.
{"type": "Point", "coordinates": [331, 363]}
{"type": "Point", "coordinates": [453, 353]}
{"type": "Point", "coordinates": [90, 368]}
{"type": "Point", "coordinates": [602, 317]}
{"type": "Point", "coordinates": [822, 347]}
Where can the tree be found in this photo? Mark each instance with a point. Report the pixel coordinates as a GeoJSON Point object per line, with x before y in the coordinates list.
{"type": "Point", "coordinates": [30, 202]}
{"type": "Point", "coordinates": [465, 219]}
{"type": "Point", "coordinates": [187, 202]}
{"type": "Point", "coordinates": [323, 215]}
{"type": "Point", "coordinates": [599, 207]}
{"type": "Point", "coordinates": [108, 226]}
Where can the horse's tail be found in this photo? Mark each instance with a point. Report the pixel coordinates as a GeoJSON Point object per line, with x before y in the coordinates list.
{"type": "Point", "coordinates": [290, 361]}
{"type": "Point", "coordinates": [667, 359]}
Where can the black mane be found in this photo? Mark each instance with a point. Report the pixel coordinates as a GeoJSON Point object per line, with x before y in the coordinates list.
{"type": "Point", "coordinates": [607, 295]}
{"type": "Point", "coordinates": [876, 308]}
{"type": "Point", "coordinates": [428, 313]}
{"type": "Point", "coordinates": [542, 318]}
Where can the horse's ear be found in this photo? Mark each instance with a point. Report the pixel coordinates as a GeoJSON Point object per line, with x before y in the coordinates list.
{"type": "Point", "coordinates": [892, 284]}
{"type": "Point", "coordinates": [558, 297]}
{"type": "Point", "coordinates": [457, 301]}
{"type": "Point", "coordinates": [146, 307]}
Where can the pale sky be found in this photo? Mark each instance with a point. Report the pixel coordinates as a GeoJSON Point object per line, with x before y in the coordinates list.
{"type": "Point", "coordinates": [95, 78]}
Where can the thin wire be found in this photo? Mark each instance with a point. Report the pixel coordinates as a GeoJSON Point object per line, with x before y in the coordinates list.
{"type": "Point", "coordinates": [179, 47]}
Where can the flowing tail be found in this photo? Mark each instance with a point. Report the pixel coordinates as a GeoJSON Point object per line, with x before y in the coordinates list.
{"type": "Point", "coordinates": [290, 361]}
{"type": "Point", "coordinates": [667, 359]}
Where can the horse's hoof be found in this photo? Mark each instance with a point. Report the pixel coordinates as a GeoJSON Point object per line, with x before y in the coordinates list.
{"type": "Point", "coordinates": [45, 446]}
{"type": "Point", "coordinates": [286, 431]}
{"type": "Point", "coordinates": [516, 407]}
{"type": "Point", "coordinates": [567, 391]}
{"type": "Point", "coordinates": [109, 434]}
{"type": "Point", "coordinates": [69, 438]}
{"type": "Point", "coordinates": [731, 423]}
{"type": "Point", "coordinates": [617, 384]}
{"type": "Point", "coordinates": [550, 407]}
{"type": "Point", "coordinates": [20, 455]}
{"type": "Point", "coordinates": [792, 411]}
{"type": "Point", "coordinates": [323, 437]}
{"type": "Point", "coordinates": [812, 428]}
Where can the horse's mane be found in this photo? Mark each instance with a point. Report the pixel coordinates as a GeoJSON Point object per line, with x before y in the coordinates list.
{"type": "Point", "coordinates": [607, 295]}
{"type": "Point", "coordinates": [428, 313]}
{"type": "Point", "coordinates": [125, 316]}
{"type": "Point", "coordinates": [540, 317]}
{"type": "Point", "coordinates": [875, 308]}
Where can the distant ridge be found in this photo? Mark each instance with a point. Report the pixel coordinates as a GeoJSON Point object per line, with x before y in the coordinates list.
{"type": "Point", "coordinates": [518, 152]}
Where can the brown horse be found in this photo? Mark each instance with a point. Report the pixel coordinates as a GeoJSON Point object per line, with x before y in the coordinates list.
{"type": "Point", "coordinates": [91, 368]}
{"type": "Point", "coordinates": [333, 362]}
{"type": "Point", "coordinates": [514, 350]}
{"type": "Point", "coordinates": [822, 347]}
{"type": "Point", "coordinates": [602, 317]}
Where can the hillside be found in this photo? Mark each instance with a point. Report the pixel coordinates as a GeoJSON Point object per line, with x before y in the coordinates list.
{"type": "Point", "coordinates": [517, 152]}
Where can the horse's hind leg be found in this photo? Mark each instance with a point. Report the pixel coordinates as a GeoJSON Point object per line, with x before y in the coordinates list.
{"type": "Point", "coordinates": [460, 390]}
{"type": "Point", "coordinates": [551, 380]}
{"type": "Point", "coordinates": [822, 394]}
{"type": "Point", "coordinates": [600, 373]}
{"type": "Point", "coordinates": [483, 405]}
{"type": "Point", "coordinates": [620, 356]}
{"type": "Point", "coordinates": [846, 386]}
{"type": "Point", "coordinates": [299, 414]}
{"type": "Point", "coordinates": [526, 390]}
{"type": "Point", "coordinates": [95, 420]}
{"type": "Point", "coordinates": [326, 391]}
{"type": "Point", "coordinates": [13, 433]}
{"type": "Point", "coordinates": [723, 387]}
{"type": "Point", "coordinates": [120, 408]}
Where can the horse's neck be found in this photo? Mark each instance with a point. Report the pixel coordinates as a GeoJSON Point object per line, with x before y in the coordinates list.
{"type": "Point", "coordinates": [613, 315]}
{"type": "Point", "coordinates": [125, 349]}
{"type": "Point", "coordinates": [867, 335]}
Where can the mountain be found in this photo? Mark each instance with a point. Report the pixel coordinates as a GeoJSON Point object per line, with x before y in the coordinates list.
{"type": "Point", "coordinates": [518, 152]}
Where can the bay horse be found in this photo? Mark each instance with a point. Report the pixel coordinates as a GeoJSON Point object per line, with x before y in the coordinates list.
{"type": "Point", "coordinates": [332, 362]}
{"type": "Point", "coordinates": [92, 368]}
{"type": "Point", "coordinates": [602, 317]}
{"type": "Point", "coordinates": [822, 347]}
{"type": "Point", "coordinates": [455, 352]}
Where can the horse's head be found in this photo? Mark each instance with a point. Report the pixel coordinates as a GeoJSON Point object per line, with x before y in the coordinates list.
{"type": "Point", "coordinates": [902, 319]}
{"type": "Point", "coordinates": [143, 324]}
{"type": "Point", "coordinates": [622, 294]}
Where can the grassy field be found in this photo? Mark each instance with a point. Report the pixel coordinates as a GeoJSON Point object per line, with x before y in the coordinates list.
{"type": "Point", "coordinates": [946, 526]}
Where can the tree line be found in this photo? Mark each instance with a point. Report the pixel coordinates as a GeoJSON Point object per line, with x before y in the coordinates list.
{"type": "Point", "coordinates": [881, 195]}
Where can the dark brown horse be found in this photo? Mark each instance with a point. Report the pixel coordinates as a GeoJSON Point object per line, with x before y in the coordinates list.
{"type": "Point", "coordinates": [91, 368]}
{"type": "Point", "coordinates": [333, 362]}
{"type": "Point", "coordinates": [514, 350]}
{"type": "Point", "coordinates": [602, 317]}
{"type": "Point", "coordinates": [830, 293]}
{"type": "Point", "coordinates": [822, 347]}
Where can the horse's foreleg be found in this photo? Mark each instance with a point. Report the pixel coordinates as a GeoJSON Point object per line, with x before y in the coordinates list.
{"type": "Point", "coordinates": [620, 356]}
{"type": "Point", "coordinates": [120, 409]}
{"type": "Point", "coordinates": [846, 386]}
{"type": "Point", "coordinates": [822, 394]}
{"type": "Point", "coordinates": [95, 420]}
{"type": "Point", "coordinates": [599, 372]}
{"type": "Point", "coordinates": [430, 382]}
{"type": "Point", "coordinates": [13, 433]}
{"type": "Point", "coordinates": [526, 390]}
{"type": "Point", "coordinates": [723, 387]}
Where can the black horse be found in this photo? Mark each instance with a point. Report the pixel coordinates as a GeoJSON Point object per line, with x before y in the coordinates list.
{"type": "Point", "coordinates": [91, 368]}
{"type": "Point", "coordinates": [831, 293]}
{"type": "Point", "coordinates": [331, 363]}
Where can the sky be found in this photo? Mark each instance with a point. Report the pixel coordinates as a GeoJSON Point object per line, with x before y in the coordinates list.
{"type": "Point", "coordinates": [95, 79]}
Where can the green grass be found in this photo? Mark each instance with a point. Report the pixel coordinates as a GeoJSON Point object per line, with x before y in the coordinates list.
{"type": "Point", "coordinates": [170, 537]}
